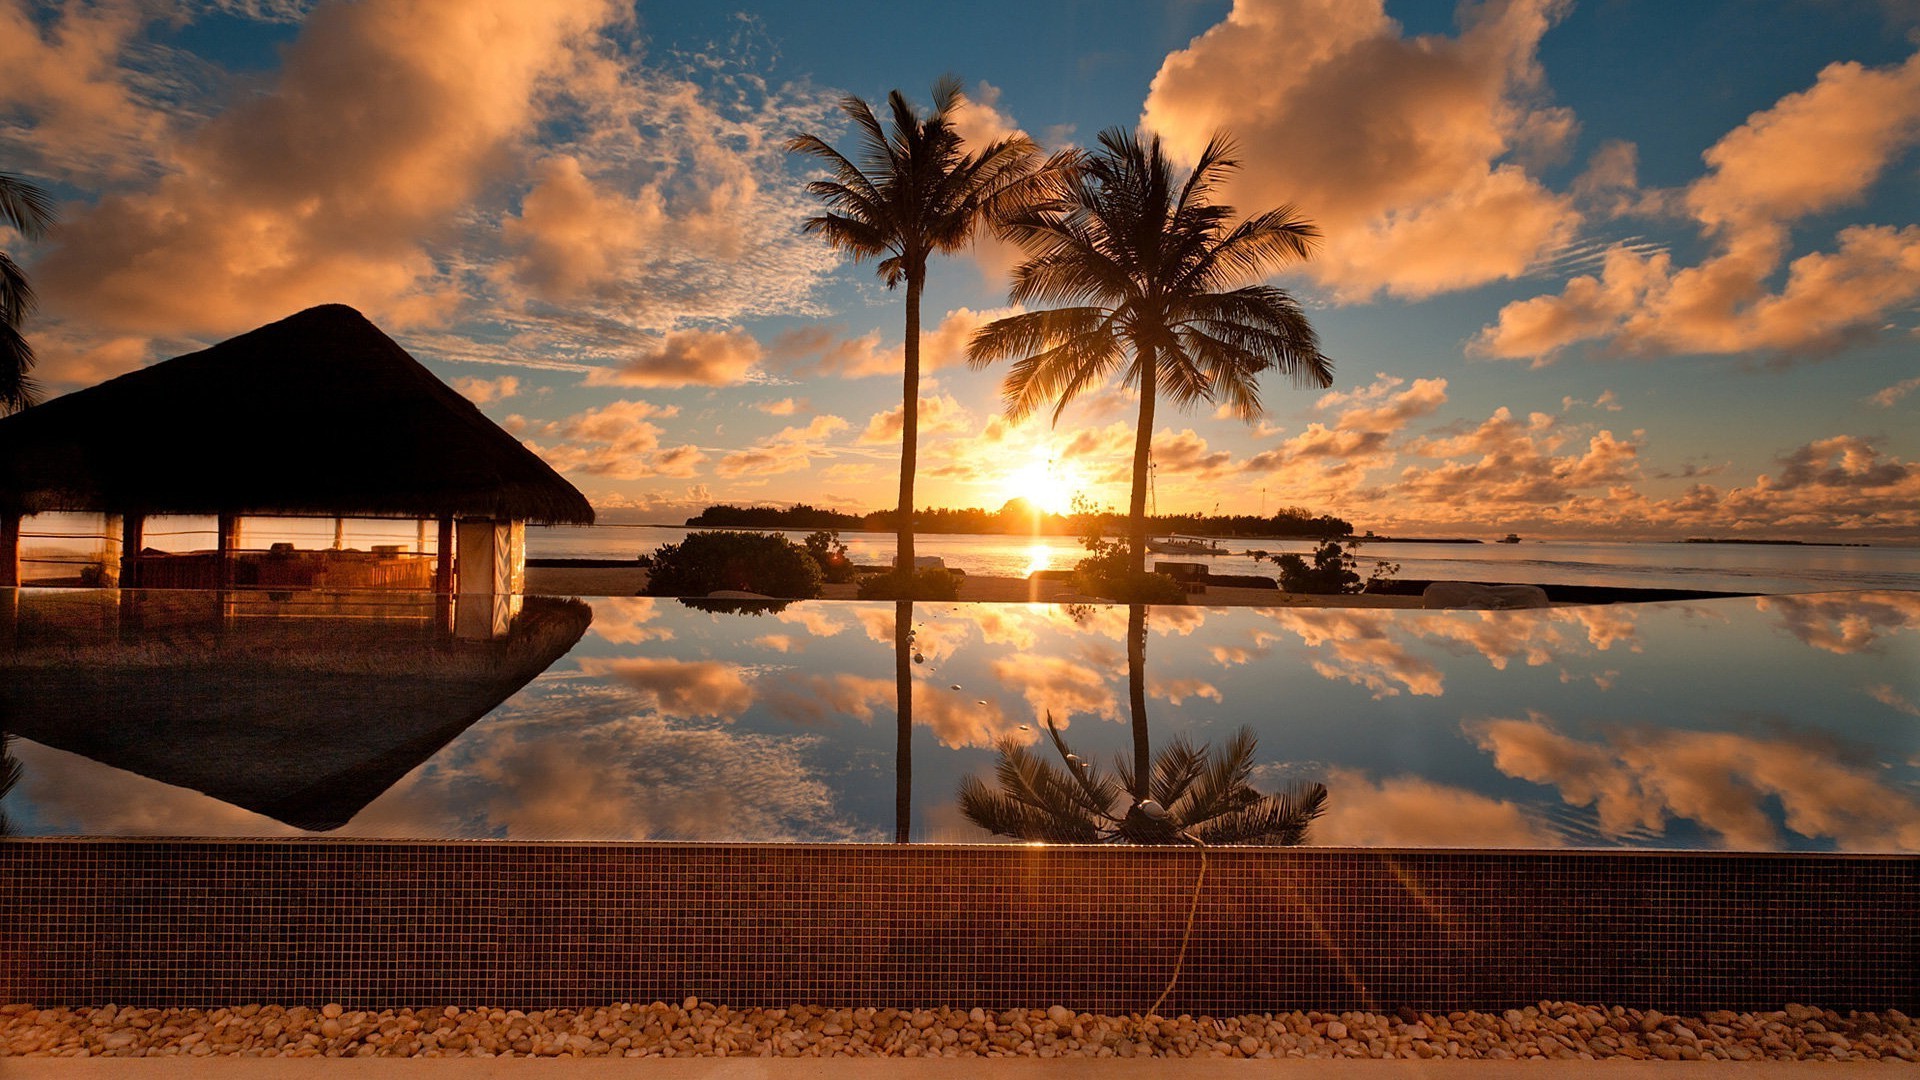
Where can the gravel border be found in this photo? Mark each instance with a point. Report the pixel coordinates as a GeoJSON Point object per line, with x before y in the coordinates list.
{"type": "Point", "coordinates": [696, 1028]}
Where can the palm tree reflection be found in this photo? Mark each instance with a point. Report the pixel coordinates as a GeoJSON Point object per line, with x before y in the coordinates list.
{"type": "Point", "coordinates": [1186, 793]}
{"type": "Point", "coordinates": [903, 715]}
{"type": "Point", "coordinates": [9, 776]}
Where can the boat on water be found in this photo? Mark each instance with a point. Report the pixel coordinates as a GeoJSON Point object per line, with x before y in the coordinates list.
{"type": "Point", "coordinates": [1185, 545]}
{"type": "Point", "coordinates": [1510, 538]}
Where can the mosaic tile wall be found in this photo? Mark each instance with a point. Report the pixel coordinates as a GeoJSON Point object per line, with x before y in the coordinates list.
{"type": "Point", "coordinates": [391, 924]}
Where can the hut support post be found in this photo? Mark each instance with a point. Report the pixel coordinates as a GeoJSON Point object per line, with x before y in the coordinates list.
{"type": "Point", "coordinates": [109, 551]}
{"type": "Point", "coordinates": [9, 551]}
{"type": "Point", "coordinates": [133, 537]}
{"type": "Point", "coordinates": [229, 544]}
{"type": "Point", "coordinates": [443, 574]}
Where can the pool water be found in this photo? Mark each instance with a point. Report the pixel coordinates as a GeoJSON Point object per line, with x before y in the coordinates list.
{"type": "Point", "coordinates": [1770, 723]}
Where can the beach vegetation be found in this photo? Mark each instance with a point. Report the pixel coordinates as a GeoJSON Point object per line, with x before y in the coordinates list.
{"type": "Point", "coordinates": [1130, 270]}
{"type": "Point", "coordinates": [911, 189]}
{"type": "Point", "coordinates": [1190, 793]}
{"type": "Point", "coordinates": [27, 209]}
{"type": "Point", "coordinates": [1332, 571]}
{"type": "Point", "coordinates": [830, 555]}
{"type": "Point", "coordinates": [706, 562]}
{"type": "Point", "coordinates": [926, 583]}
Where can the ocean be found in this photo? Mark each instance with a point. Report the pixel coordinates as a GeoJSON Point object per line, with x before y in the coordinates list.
{"type": "Point", "coordinates": [1754, 568]}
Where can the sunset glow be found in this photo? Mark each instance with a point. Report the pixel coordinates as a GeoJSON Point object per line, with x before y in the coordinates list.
{"type": "Point", "coordinates": [582, 215]}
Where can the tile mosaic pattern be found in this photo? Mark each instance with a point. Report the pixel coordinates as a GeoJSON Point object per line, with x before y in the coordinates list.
{"type": "Point", "coordinates": [157, 923]}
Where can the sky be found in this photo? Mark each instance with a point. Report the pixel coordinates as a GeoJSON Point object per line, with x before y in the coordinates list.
{"type": "Point", "coordinates": [1592, 269]}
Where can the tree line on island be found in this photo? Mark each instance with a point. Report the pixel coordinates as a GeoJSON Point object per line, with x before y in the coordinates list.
{"type": "Point", "coordinates": [1020, 518]}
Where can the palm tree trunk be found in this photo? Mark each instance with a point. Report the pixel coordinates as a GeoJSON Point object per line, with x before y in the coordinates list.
{"type": "Point", "coordinates": [1137, 699]}
{"type": "Point", "coordinates": [903, 719]}
{"type": "Point", "coordinates": [909, 422]}
{"type": "Point", "coordinates": [1142, 454]}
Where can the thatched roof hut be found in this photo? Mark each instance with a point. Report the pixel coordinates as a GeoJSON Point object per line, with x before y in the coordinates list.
{"type": "Point", "coordinates": [317, 414]}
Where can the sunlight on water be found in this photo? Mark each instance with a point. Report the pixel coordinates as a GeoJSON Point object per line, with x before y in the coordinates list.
{"type": "Point", "coordinates": [1039, 557]}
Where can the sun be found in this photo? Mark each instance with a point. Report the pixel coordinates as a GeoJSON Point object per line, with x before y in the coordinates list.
{"type": "Point", "coordinates": [1044, 483]}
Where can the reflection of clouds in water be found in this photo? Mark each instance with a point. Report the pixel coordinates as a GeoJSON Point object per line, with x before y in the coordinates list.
{"type": "Point", "coordinates": [1410, 811]}
{"type": "Point", "coordinates": [1058, 685]}
{"type": "Point", "coordinates": [960, 719]}
{"type": "Point", "coordinates": [934, 639]}
{"type": "Point", "coordinates": [1175, 620]}
{"type": "Point", "coordinates": [580, 766]}
{"type": "Point", "coordinates": [71, 795]}
{"type": "Point", "coordinates": [1015, 625]}
{"type": "Point", "coordinates": [622, 619]}
{"type": "Point", "coordinates": [1844, 623]}
{"type": "Point", "coordinates": [780, 643]}
{"type": "Point", "coordinates": [817, 700]}
{"type": "Point", "coordinates": [678, 688]}
{"type": "Point", "coordinates": [1361, 651]}
{"type": "Point", "coordinates": [1893, 699]}
{"type": "Point", "coordinates": [817, 620]}
{"type": "Point", "coordinates": [1177, 691]}
{"type": "Point", "coordinates": [1640, 777]}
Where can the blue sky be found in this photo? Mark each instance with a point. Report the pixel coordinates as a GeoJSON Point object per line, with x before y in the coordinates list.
{"type": "Point", "coordinates": [1602, 268]}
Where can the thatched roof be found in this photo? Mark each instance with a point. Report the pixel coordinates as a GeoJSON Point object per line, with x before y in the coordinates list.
{"type": "Point", "coordinates": [305, 721]}
{"type": "Point", "coordinates": [317, 414]}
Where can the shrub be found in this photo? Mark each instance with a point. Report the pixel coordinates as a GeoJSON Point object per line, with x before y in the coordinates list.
{"type": "Point", "coordinates": [1331, 572]}
{"type": "Point", "coordinates": [706, 562]}
{"type": "Point", "coordinates": [830, 555]}
{"type": "Point", "coordinates": [1109, 572]}
{"type": "Point", "coordinates": [932, 583]}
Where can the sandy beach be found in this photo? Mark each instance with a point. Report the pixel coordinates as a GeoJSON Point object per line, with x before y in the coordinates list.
{"type": "Point", "coordinates": [623, 581]}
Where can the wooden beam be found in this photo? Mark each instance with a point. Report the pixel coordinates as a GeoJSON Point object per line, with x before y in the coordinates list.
{"type": "Point", "coordinates": [9, 551]}
{"type": "Point", "coordinates": [443, 558]}
{"type": "Point", "coordinates": [229, 546]}
{"type": "Point", "coordinates": [133, 537]}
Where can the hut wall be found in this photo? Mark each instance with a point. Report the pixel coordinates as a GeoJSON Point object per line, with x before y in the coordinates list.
{"type": "Point", "coordinates": [491, 565]}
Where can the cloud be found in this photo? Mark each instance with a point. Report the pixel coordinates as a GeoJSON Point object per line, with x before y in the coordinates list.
{"type": "Point", "coordinates": [482, 391]}
{"type": "Point", "coordinates": [783, 407]}
{"type": "Point", "coordinates": [622, 620]}
{"type": "Point", "coordinates": [826, 350]}
{"type": "Point", "coordinates": [1891, 396]}
{"type": "Point", "coordinates": [1637, 778]}
{"type": "Point", "coordinates": [1409, 811]}
{"type": "Point", "coordinates": [520, 171]}
{"type": "Point", "coordinates": [680, 689]}
{"type": "Point", "coordinates": [1402, 149]}
{"type": "Point", "coordinates": [939, 414]}
{"type": "Point", "coordinates": [1812, 152]}
{"type": "Point", "coordinates": [1842, 623]}
{"type": "Point", "coordinates": [1058, 685]}
{"type": "Point", "coordinates": [687, 358]}
{"type": "Point", "coordinates": [790, 450]}
{"type": "Point", "coordinates": [617, 441]}
{"type": "Point", "coordinates": [70, 106]}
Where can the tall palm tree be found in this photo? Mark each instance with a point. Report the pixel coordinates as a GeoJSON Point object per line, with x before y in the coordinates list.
{"type": "Point", "coordinates": [911, 190]}
{"type": "Point", "coordinates": [1154, 279]}
{"type": "Point", "coordinates": [29, 209]}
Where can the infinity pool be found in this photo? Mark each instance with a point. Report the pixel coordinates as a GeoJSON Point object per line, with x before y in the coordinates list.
{"type": "Point", "coordinates": [1773, 723]}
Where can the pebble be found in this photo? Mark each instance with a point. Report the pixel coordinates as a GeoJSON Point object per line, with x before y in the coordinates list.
{"type": "Point", "coordinates": [695, 1028]}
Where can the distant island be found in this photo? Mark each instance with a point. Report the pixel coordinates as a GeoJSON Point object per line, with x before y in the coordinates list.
{"type": "Point", "coordinates": [1019, 517]}
{"type": "Point", "coordinates": [1770, 543]}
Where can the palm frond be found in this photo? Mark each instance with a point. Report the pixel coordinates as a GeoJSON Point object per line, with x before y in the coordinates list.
{"type": "Point", "coordinates": [25, 205]}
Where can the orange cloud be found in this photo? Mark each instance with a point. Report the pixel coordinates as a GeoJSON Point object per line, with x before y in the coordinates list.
{"type": "Point", "coordinates": [1812, 152]}
{"type": "Point", "coordinates": [1409, 811]}
{"type": "Point", "coordinates": [1636, 779]}
{"type": "Point", "coordinates": [938, 414]}
{"type": "Point", "coordinates": [64, 80]}
{"type": "Point", "coordinates": [482, 391]}
{"type": "Point", "coordinates": [616, 440]}
{"type": "Point", "coordinates": [686, 358]}
{"type": "Point", "coordinates": [680, 689]}
{"type": "Point", "coordinates": [1404, 150]}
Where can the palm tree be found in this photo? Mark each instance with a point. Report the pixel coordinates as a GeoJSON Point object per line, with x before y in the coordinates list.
{"type": "Point", "coordinates": [1194, 791]}
{"type": "Point", "coordinates": [26, 207]}
{"type": "Point", "coordinates": [1155, 281]}
{"type": "Point", "coordinates": [1182, 795]}
{"type": "Point", "coordinates": [911, 191]}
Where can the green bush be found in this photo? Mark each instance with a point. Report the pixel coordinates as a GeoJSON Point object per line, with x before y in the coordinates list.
{"type": "Point", "coordinates": [830, 555]}
{"type": "Point", "coordinates": [932, 583]}
{"type": "Point", "coordinates": [707, 562]}
{"type": "Point", "coordinates": [1332, 571]}
{"type": "Point", "coordinates": [1109, 572]}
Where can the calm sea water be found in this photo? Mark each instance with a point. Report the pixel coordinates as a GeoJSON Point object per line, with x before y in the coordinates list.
{"type": "Point", "coordinates": [1753, 723]}
{"type": "Point", "coordinates": [1710, 567]}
